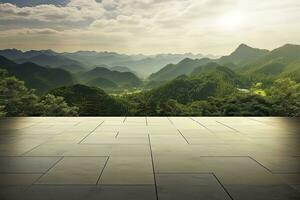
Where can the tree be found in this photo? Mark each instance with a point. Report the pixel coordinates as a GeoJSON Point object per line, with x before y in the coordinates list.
{"type": "Point", "coordinates": [51, 105]}
{"type": "Point", "coordinates": [238, 104]}
{"type": "Point", "coordinates": [172, 108]}
{"type": "Point", "coordinates": [257, 89]}
{"type": "Point", "coordinates": [15, 97]}
{"type": "Point", "coordinates": [285, 97]}
{"type": "Point", "coordinates": [17, 100]}
{"type": "Point", "coordinates": [2, 111]}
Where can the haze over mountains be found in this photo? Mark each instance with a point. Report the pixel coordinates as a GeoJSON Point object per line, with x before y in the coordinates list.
{"type": "Point", "coordinates": [46, 69]}
{"type": "Point", "coordinates": [249, 81]}
{"type": "Point", "coordinates": [85, 60]}
{"type": "Point", "coordinates": [244, 59]}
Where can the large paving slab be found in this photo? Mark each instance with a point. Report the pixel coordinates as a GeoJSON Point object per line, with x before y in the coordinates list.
{"type": "Point", "coordinates": [155, 158]}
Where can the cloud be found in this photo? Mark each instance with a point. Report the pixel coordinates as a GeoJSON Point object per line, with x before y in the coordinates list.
{"type": "Point", "coordinates": [148, 26]}
{"type": "Point", "coordinates": [76, 10]}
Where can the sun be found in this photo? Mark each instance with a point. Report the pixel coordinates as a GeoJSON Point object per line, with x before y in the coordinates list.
{"type": "Point", "coordinates": [230, 21]}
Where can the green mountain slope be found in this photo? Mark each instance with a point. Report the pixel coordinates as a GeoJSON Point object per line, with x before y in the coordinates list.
{"type": "Point", "coordinates": [239, 58]}
{"type": "Point", "coordinates": [121, 69]}
{"type": "Point", "coordinates": [219, 82]}
{"type": "Point", "coordinates": [102, 83]}
{"type": "Point", "coordinates": [209, 67]}
{"type": "Point", "coordinates": [282, 61]}
{"type": "Point", "coordinates": [172, 71]}
{"type": "Point", "coordinates": [37, 77]}
{"type": "Point", "coordinates": [91, 101]}
{"type": "Point", "coordinates": [46, 58]}
{"type": "Point", "coordinates": [121, 79]}
{"type": "Point", "coordinates": [54, 61]}
{"type": "Point", "coordinates": [141, 64]}
{"type": "Point", "coordinates": [242, 56]}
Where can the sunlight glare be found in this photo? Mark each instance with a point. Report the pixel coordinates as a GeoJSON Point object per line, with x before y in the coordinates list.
{"type": "Point", "coordinates": [230, 21]}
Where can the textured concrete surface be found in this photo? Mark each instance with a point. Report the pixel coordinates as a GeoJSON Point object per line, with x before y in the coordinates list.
{"type": "Point", "coordinates": [155, 158]}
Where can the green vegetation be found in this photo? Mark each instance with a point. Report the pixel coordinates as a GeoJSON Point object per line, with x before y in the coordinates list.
{"type": "Point", "coordinates": [17, 100]}
{"type": "Point", "coordinates": [107, 79]}
{"type": "Point", "coordinates": [91, 101]}
{"type": "Point", "coordinates": [248, 82]}
{"type": "Point", "coordinates": [37, 77]}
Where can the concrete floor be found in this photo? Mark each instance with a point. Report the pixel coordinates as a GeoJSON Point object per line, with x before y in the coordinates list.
{"type": "Point", "coordinates": [141, 158]}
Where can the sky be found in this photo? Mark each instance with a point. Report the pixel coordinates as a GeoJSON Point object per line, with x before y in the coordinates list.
{"type": "Point", "coordinates": [148, 26]}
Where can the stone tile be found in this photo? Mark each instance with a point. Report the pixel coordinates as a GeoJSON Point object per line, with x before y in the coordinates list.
{"type": "Point", "coordinates": [75, 170]}
{"type": "Point", "coordinates": [178, 164]}
{"type": "Point", "coordinates": [18, 179]}
{"type": "Point", "coordinates": [16, 149]}
{"type": "Point", "coordinates": [79, 192]}
{"type": "Point", "coordinates": [280, 164]}
{"type": "Point", "coordinates": [189, 187]}
{"type": "Point", "coordinates": [162, 130]}
{"type": "Point", "coordinates": [26, 164]}
{"type": "Point", "coordinates": [252, 157]}
{"type": "Point", "coordinates": [263, 192]}
{"type": "Point", "coordinates": [184, 123]}
{"type": "Point", "coordinates": [65, 192]}
{"type": "Point", "coordinates": [51, 149]}
{"type": "Point", "coordinates": [167, 139]}
{"type": "Point", "coordinates": [128, 170]}
{"type": "Point", "coordinates": [112, 138]}
{"type": "Point", "coordinates": [12, 192]}
{"type": "Point", "coordinates": [124, 192]}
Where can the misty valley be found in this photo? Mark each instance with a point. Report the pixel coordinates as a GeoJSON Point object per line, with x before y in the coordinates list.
{"type": "Point", "coordinates": [248, 82]}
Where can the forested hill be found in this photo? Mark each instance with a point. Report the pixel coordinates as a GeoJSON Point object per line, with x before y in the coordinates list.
{"type": "Point", "coordinates": [281, 62]}
{"type": "Point", "coordinates": [37, 77]}
{"type": "Point", "coordinates": [247, 60]}
{"type": "Point", "coordinates": [105, 78]}
{"type": "Point", "coordinates": [220, 81]}
{"type": "Point", "coordinates": [91, 101]}
{"type": "Point", "coordinates": [46, 58]}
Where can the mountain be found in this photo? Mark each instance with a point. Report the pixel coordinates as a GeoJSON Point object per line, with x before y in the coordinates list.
{"type": "Point", "coordinates": [93, 58]}
{"type": "Point", "coordinates": [219, 82]}
{"type": "Point", "coordinates": [240, 57]}
{"type": "Point", "coordinates": [184, 67]}
{"type": "Point", "coordinates": [211, 66]}
{"type": "Point", "coordinates": [15, 54]}
{"type": "Point", "coordinates": [243, 55]}
{"type": "Point", "coordinates": [91, 101]}
{"type": "Point", "coordinates": [282, 61]}
{"type": "Point", "coordinates": [121, 79]}
{"type": "Point", "coordinates": [121, 69]}
{"type": "Point", "coordinates": [37, 77]}
{"type": "Point", "coordinates": [12, 54]}
{"type": "Point", "coordinates": [153, 63]}
{"type": "Point", "coordinates": [141, 64]}
{"type": "Point", "coordinates": [46, 58]}
{"type": "Point", "coordinates": [102, 83]}
{"type": "Point", "coordinates": [54, 61]}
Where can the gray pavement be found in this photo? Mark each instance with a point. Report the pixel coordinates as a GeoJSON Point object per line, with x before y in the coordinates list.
{"type": "Point", "coordinates": [155, 158]}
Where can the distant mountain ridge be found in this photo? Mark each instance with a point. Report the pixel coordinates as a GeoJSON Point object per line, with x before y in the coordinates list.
{"type": "Point", "coordinates": [245, 59]}
{"type": "Point", "coordinates": [101, 76]}
{"type": "Point", "coordinates": [243, 55]}
{"type": "Point", "coordinates": [37, 77]}
{"type": "Point", "coordinates": [283, 60]}
{"type": "Point", "coordinates": [46, 58]}
{"type": "Point", "coordinates": [184, 67]}
{"type": "Point", "coordinates": [141, 64]}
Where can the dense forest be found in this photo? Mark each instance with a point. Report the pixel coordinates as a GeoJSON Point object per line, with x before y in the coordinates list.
{"type": "Point", "coordinates": [248, 82]}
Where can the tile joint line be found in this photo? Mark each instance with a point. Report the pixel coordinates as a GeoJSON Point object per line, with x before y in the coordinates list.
{"type": "Point", "coordinates": [154, 175]}
{"type": "Point", "coordinates": [90, 133]}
